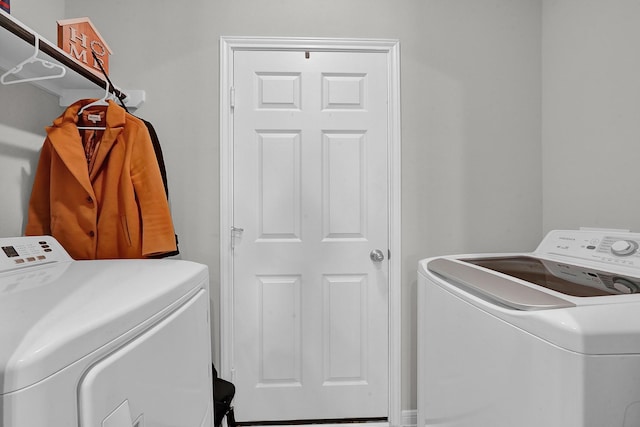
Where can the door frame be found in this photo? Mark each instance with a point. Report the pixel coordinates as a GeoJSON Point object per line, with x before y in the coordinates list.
{"type": "Point", "coordinates": [228, 45]}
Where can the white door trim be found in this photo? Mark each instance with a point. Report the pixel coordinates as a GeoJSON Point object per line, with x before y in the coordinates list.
{"type": "Point", "coordinates": [228, 45]}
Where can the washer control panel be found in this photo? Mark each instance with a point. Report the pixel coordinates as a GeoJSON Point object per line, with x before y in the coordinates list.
{"type": "Point", "coordinates": [610, 246]}
{"type": "Point", "coordinates": [22, 252]}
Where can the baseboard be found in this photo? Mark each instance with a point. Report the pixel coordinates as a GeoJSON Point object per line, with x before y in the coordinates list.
{"type": "Point", "coordinates": [410, 418]}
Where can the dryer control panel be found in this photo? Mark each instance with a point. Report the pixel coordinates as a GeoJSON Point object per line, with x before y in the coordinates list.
{"type": "Point", "coordinates": [613, 247]}
{"type": "Point", "coordinates": [23, 252]}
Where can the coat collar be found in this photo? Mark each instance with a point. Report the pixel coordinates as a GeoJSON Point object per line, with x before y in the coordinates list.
{"type": "Point", "coordinates": [67, 142]}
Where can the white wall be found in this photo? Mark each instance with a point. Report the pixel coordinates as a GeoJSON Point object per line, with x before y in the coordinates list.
{"type": "Point", "coordinates": [24, 113]}
{"type": "Point", "coordinates": [471, 138]}
{"type": "Point", "coordinates": [40, 16]}
{"type": "Point", "coordinates": [591, 114]}
{"type": "Point", "coordinates": [470, 113]}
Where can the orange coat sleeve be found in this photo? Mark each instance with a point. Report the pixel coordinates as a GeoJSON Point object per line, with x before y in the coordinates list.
{"type": "Point", "coordinates": [39, 215]}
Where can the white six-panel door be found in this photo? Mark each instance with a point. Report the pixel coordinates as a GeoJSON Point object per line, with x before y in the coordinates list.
{"type": "Point", "coordinates": [310, 171]}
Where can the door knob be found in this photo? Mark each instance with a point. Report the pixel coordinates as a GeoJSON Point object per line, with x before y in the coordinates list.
{"type": "Point", "coordinates": [376, 255]}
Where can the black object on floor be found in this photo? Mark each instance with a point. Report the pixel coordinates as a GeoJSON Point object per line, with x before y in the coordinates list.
{"type": "Point", "coordinates": [223, 392]}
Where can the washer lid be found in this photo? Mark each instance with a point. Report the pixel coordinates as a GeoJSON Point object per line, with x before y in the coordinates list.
{"type": "Point", "coordinates": [560, 276]}
{"type": "Point", "coordinates": [498, 289]}
{"type": "Point", "coordinates": [595, 325]}
{"type": "Point", "coordinates": [53, 315]}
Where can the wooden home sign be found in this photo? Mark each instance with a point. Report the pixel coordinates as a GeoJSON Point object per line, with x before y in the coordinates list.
{"type": "Point", "coordinates": [78, 37]}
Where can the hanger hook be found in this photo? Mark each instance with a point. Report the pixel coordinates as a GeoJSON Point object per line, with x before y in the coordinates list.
{"type": "Point", "coordinates": [36, 45]}
{"type": "Point", "coordinates": [107, 86]}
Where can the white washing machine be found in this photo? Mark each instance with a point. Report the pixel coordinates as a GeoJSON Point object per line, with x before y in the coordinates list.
{"type": "Point", "coordinates": [108, 343]}
{"type": "Point", "coordinates": [549, 338]}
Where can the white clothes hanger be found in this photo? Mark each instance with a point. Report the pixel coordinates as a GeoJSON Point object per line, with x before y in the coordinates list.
{"type": "Point", "coordinates": [31, 60]}
{"type": "Point", "coordinates": [101, 101]}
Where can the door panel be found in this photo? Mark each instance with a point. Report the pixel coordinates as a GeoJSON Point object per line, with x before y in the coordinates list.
{"type": "Point", "coordinates": [310, 192]}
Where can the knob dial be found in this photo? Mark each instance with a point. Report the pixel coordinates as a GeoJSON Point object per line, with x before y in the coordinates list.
{"type": "Point", "coordinates": [624, 286]}
{"type": "Point", "coordinates": [624, 247]}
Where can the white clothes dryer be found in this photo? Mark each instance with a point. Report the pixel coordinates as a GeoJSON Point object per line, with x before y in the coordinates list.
{"type": "Point", "coordinates": [105, 343]}
{"type": "Point", "coordinates": [549, 338]}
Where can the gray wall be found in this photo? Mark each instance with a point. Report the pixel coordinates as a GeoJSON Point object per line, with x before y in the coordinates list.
{"type": "Point", "coordinates": [471, 114]}
{"type": "Point", "coordinates": [591, 114]}
{"type": "Point", "coordinates": [24, 112]}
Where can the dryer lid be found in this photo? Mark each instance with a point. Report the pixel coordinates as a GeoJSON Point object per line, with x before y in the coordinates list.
{"type": "Point", "coordinates": [53, 315]}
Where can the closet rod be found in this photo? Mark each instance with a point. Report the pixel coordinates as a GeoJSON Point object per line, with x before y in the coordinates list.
{"type": "Point", "coordinates": [55, 53]}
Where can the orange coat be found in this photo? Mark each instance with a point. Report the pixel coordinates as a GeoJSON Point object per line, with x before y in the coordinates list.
{"type": "Point", "coordinates": [120, 210]}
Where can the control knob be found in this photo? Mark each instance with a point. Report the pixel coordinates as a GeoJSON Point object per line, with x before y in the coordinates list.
{"type": "Point", "coordinates": [624, 247]}
{"type": "Point", "coordinates": [624, 286]}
